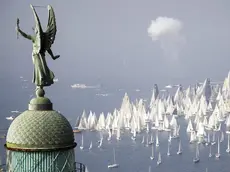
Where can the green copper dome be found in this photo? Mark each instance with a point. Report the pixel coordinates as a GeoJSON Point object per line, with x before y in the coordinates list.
{"type": "Point", "coordinates": [44, 129]}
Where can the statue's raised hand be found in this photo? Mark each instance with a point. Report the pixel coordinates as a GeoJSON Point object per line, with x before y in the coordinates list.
{"type": "Point", "coordinates": [17, 26]}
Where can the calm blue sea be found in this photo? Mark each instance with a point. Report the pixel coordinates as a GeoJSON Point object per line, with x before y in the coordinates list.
{"type": "Point", "coordinates": [131, 155]}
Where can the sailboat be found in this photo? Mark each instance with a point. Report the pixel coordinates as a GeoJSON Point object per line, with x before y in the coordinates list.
{"type": "Point", "coordinates": [82, 142]}
{"type": "Point", "coordinates": [179, 152]}
{"type": "Point", "coordinates": [76, 130]}
{"type": "Point", "coordinates": [152, 156]}
{"type": "Point", "coordinates": [168, 153]}
{"type": "Point", "coordinates": [197, 158]}
{"type": "Point", "coordinates": [210, 151]}
{"type": "Point", "coordinates": [159, 159]}
{"type": "Point", "coordinates": [218, 149]}
{"type": "Point", "coordinates": [228, 149]}
{"type": "Point", "coordinates": [114, 165]}
{"type": "Point", "coordinates": [91, 145]}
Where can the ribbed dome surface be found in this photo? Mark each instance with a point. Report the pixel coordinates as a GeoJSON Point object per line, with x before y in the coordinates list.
{"type": "Point", "coordinates": [40, 130]}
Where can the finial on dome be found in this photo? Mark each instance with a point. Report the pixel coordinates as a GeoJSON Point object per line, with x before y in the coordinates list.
{"type": "Point", "coordinates": [40, 92]}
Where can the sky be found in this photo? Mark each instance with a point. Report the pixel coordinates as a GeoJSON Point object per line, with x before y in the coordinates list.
{"type": "Point", "coordinates": [106, 41]}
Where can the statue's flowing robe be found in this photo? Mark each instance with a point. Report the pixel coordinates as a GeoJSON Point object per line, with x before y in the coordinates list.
{"type": "Point", "coordinates": [43, 76]}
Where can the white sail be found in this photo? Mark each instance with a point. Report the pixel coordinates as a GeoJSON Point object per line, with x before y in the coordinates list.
{"type": "Point", "coordinates": [201, 130]}
{"type": "Point", "coordinates": [77, 122]}
{"type": "Point", "coordinates": [109, 121]}
{"type": "Point", "coordinates": [83, 124]}
{"type": "Point", "coordinates": [154, 96]}
{"type": "Point", "coordinates": [101, 125]}
{"type": "Point", "coordinates": [173, 122]}
{"type": "Point", "coordinates": [166, 123]}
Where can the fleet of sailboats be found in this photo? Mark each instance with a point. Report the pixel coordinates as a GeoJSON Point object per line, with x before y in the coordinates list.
{"type": "Point", "coordinates": [205, 108]}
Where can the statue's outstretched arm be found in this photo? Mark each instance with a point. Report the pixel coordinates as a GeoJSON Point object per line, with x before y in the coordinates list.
{"type": "Point", "coordinates": [24, 34]}
{"type": "Point", "coordinates": [21, 32]}
{"type": "Point", "coordinates": [52, 55]}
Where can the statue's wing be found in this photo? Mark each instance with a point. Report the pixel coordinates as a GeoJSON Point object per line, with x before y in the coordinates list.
{"type": "Point", "coordinates": [38, 31]}
{"type": "Point", "coordinates": [51, 28]}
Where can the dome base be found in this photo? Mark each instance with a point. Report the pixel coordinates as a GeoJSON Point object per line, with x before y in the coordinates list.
{"type": "Point", "coordinates": [29, 148]}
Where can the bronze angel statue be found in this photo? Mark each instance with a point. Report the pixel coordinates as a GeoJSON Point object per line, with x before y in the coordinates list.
{"type": "Point", "coordinates": [42, 42]}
